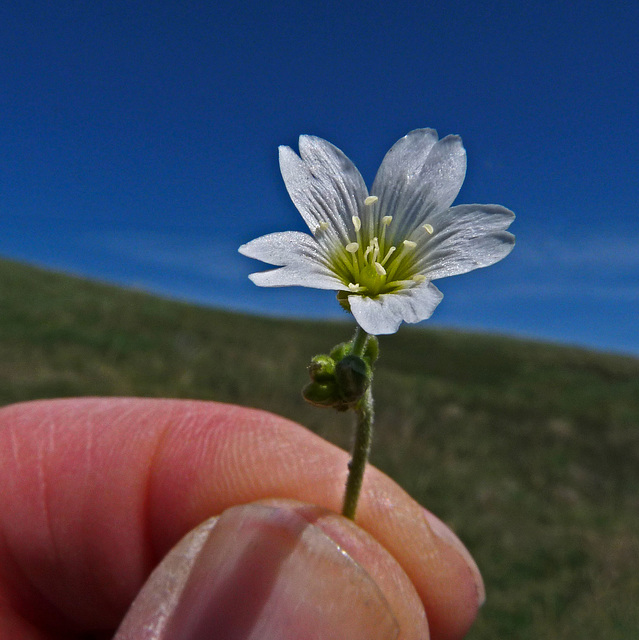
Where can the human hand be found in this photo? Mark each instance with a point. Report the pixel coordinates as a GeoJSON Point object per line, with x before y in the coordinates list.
{"type": "Point", "coordinates": [94, 492]}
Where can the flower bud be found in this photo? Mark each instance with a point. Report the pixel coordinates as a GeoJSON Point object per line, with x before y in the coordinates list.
{"type": "Point", "coordinates": [341, 350]}
{"type": "Point", "coordinates": [322, 369]}
{"type": "Point", "coordinates": [353, 376]}
{"type": "Point", "coordinates": [322, 395]}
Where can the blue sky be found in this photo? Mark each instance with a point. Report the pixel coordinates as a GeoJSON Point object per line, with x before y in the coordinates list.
{"type": "Point", "coordinates": [139, 143]}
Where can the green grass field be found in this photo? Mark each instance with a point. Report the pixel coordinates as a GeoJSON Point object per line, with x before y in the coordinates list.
{"type": "Point", "coordinates": [529, 450]}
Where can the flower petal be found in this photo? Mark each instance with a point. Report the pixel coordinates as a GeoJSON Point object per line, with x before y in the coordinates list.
{"type": "Point", "coordinates": [280, 248]}
{"type": "Point", "coordinates": [384, 314]}
{"type": "Point", "coordinates": [300, 257]}
{"type": "Point", "coordinates": [300, 274]}
{"type": "Point", "coordinates": [406, 157]}
{"type": "Point", "coordinates": [465, 237]}
{"type": "Point", "coordinates": [324, 185]}
{"type": "Point", "coordinates": [418, 176]}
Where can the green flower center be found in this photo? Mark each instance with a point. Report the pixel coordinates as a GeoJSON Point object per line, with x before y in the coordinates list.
{"type": "Point", "coordinates": [371, 265]}
{"type": "Point", "coordinates": [371, 281]}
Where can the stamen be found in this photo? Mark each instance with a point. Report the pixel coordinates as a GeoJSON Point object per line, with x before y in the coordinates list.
{"type": "Point", "coordinates": [370, 200]}
{"type": "Point", "coordinates": [407, 245]}
{"type": "Point", "coordinates": [322, 226]}
{"type": "Point", "coordinates": [357, 223]}
{"type": "Point", "coordinates": [353, 248]}
{"type": "Point", "coordinates": [418, 277]}
{"type": "Point", "coordinates": [429, 228]}
{"type": "Point", "coordinates": [389, 253]}
{"type": "Point", "coordinates": [354, 287]}
{"type": "Point", "coordinates": [380, 270]}
{"type": "Point", "coordinates": [386, 220]}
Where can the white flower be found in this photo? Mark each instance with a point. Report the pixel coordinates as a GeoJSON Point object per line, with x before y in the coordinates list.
{"type": "Point", "coordinates": [381, 251]}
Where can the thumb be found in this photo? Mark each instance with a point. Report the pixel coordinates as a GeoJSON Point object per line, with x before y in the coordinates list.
{"type": "Point", "coordinates": [261, 571]}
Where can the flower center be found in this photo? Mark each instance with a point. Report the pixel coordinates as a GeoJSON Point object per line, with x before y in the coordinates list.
{"type": "Point", "coordinates": [371, 265]}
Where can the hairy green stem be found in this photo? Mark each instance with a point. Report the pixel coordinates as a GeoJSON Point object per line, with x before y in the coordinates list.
{"type": "Point", "coordinates": [361, 449]}
{"type": "Point", "coordinates": [359, 342]}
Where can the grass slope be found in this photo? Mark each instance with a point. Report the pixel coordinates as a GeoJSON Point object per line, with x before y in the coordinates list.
{"type": "Point", "coordinates": [531, 451]}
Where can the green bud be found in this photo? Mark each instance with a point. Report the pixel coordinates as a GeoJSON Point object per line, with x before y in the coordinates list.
{"type": "Point", "coordinates": [353, 376]}
{"type": "Point", "coordinates": [322, 369]}
{"type": "Point", "coordinates": [321, 395]}
{"type": "Point", "coordinates": [341, 350]}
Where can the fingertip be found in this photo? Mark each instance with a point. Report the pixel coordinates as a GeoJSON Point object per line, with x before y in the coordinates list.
{"type": "Point", "coordinates": [263, 570]}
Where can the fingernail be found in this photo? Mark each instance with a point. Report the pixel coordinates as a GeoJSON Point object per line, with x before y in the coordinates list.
{"type": "Point", "coordinates": [446, 534]}
{"type": "Point", "coordinates": [259, 573]}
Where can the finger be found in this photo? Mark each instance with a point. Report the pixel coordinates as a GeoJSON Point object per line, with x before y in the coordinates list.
{"type": "Point", "coordinates": [92, 481]}
{"type": "Point", "coordinates": [277, 570]}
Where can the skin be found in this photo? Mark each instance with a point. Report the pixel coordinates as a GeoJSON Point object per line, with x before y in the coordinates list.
{"type": "Point", "coordinates": [95, 492]}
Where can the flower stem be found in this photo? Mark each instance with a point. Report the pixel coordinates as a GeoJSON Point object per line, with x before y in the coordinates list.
{"type": "Point", "coordinates": [359, 342]}
{"type": "Point", "coordinates": [361, 449]}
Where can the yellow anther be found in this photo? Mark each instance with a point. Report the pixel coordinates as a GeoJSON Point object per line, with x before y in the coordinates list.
{"type": "Point", "coordinates": [370, 200]}
{"type": "Point", "coordinates": [419, 278]}
{"type": "Point", "coordinates": [352, 247]}
{"type": "Point", "coordinates": [357, 223]}
{"type": "Point", "coordinates": [409, 244]}
{"type": "Point", "coordinates": [380, 270]}
{"type": "Point", "coordinates": [322, 226]}
{"type": "Point", "coordinates": [354, 287]}
{"type": "Point", "coordinates": [429, 228]}
{"type": "Point", "coordinates": [386, 220]}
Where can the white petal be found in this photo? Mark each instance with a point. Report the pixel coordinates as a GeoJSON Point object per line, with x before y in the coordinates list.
{"type": "Point", "coordinates": [466, 237]}
{"type": "Point", "coordinates": [384, 314]}
{"type": "Point", "coordinates": [418, 176]}
{"type": "Point", "coordinates": [300, 258]}
{"type": "Point", "coordinates": [280, 248]}
{"type": "Point", "coordinates": [324, 185]}
{"type": "Point", "coordinates": [407, 156]}
{"type": "Point", "coordinates": [300, 274]}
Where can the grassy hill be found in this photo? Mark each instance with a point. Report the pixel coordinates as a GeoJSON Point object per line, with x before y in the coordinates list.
{"type": "Point", "coordinates": [530, 451]}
